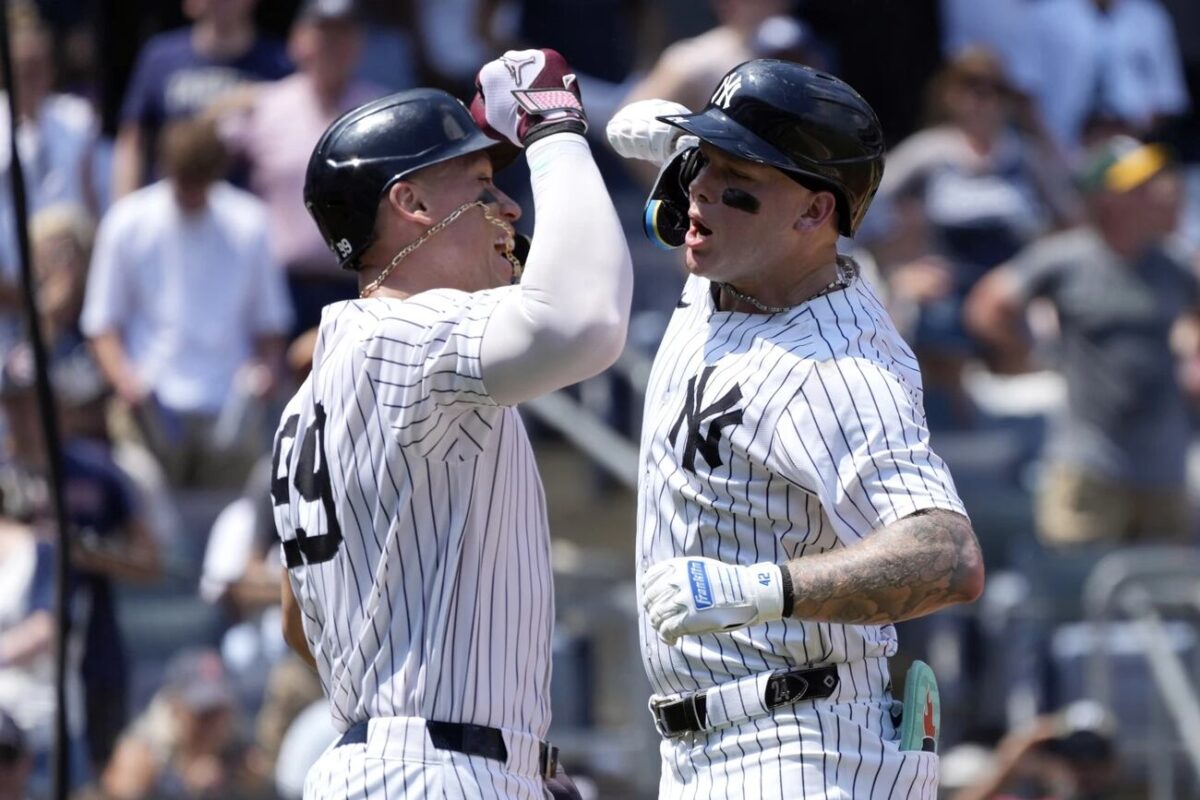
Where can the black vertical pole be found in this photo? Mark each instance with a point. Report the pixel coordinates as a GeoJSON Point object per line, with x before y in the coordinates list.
{"type": "Point", "coordinates": [49, 420]}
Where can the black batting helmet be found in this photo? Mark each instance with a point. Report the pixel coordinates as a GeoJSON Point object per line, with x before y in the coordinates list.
{"type": "Point", "coordinates": [809, 124]}
{"type": "Point", "coordinates": [368, 149]}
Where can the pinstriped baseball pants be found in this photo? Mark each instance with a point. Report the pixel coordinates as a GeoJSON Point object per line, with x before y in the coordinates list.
{"type": "Point", "coordinates": [398, 760]}
{"type": "Point", "coordinates": [845, 751]}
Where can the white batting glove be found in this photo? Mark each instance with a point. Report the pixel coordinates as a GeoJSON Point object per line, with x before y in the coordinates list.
{"type": "Point", "coordinates": [527, 94]}
{"type": "Point", "coordinates": [635, 131]}
{"type": "Point", "coordinates": [690, 596]}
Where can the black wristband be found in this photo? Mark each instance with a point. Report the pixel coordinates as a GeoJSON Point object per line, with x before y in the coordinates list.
{"type": "Point", "coordinates": [571, 125]}
{"type": "Point", "coordinates": [789, 595]}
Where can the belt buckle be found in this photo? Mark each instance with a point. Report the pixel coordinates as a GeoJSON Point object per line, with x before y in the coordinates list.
{"type": "Point", "coordinates": [655, 706]}
{"type": "Point", "coordinates": [689, 702]}
{"type": "Point", "coordinates": [549, 761]}
{"type": "Point", "coordinates": [780, 691]}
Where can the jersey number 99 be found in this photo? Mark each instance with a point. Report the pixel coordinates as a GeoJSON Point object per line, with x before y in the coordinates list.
{"type": "Point", "coordinates": [311, 480]}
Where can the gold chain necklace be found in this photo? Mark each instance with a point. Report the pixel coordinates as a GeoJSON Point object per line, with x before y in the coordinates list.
{"type": "Point", "coordinates": [437, 228]}
{"type": "Point", "coordinates": [840, 282]}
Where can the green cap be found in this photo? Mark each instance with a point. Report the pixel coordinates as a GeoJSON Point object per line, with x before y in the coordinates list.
{"type": "Point", "coordinates": [1121, 163]}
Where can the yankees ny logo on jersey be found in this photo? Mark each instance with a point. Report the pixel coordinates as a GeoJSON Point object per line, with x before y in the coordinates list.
{"type": "Point", "coordinates": [725, 92]}
{"type": "Point", "coordinates": [823, 403]}
{"type": "Point", "coordinates": [718, 416]}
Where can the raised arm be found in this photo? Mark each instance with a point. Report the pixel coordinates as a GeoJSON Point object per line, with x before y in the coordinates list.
{"type": "Point", "coordinates": [568, 319]}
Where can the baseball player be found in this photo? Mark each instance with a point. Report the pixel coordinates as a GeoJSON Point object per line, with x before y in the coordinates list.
{"type": "Point", "coordinates": [790, 508]}
{"type": "Point", "coordinates": [411, 512]}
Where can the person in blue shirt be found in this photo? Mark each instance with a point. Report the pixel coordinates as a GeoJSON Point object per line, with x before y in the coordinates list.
{"type": "Point", "coordinates": [181, 72]}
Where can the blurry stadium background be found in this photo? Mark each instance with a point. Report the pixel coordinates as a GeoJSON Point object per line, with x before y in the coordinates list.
{"type": "Point", "coordinates": [1078, 672]}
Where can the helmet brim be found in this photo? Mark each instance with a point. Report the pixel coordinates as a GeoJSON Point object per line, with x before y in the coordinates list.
{"type": "Point", "coordinates": [501, 153]}
{"type": "Point", "coordinates": [717, 128]}
{"type": "Point", "coordinates": [714, 126]}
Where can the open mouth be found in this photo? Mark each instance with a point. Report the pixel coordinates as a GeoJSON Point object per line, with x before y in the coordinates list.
{"type": "Point", "coordinates": [698, 233]}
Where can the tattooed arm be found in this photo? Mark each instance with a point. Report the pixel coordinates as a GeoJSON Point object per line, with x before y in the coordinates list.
{"type": "Point", "coordinates": [916, 565]}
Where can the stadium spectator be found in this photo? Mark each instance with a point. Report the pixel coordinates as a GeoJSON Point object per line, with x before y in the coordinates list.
{"type": "Point", "coordinates": [393, 54]}
{"type": "Point", "coordinates": [111, 542]}
{"type": "Point", "coordinates": [27, 631]}
{"type": "Point", "coordinates": [274, 127]}
{"type": "Point", "coordinates": [688, 69]}
{"type": "Point", "coordinates": [609, 43]}
{"type": "Point", "coordinates": [16, 762]}
{"type": "Point", "coordinates": [1119, 286]}
{"type": "Point", "coordinates": [187, 744]}
{"type": "Point", "coordinates": [61, 239]}
{"type": "Point", "coordinates": [1001, 26]}
{"type": "Point", "coordinates": [241, 576]}
{"type": "Point", "coordinates": [1103, 59]}
{"type": "Point", "coordinates": [454, 43]}
{"type": "Point", "coordinates": [180, 73]}
{"type": "Point", "coordinates": [186, 311]}
{"type": "Point", "coordinates": [959, 197]}
{"type": "Point", "coordinates": [57, 142]}
{"type": "Point", "coordinates": [61, 243]}
{"type": "Point", "coordinates": [1060, 756]}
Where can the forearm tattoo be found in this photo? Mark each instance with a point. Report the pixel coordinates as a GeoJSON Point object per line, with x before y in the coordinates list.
{"type": "Point", "coordinates": [910, 568]}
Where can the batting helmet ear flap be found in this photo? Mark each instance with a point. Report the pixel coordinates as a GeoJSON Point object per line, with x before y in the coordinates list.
{"type": "Point", "coordinates": [665, 220]}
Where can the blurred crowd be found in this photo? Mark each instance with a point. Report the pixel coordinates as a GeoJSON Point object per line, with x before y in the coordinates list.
{"type": "Point", "coordinates": [1035, 236]}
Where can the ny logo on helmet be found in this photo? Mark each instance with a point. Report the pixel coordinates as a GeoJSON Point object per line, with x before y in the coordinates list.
{"type": "Point", "coordinates": [725, 92]}
{"type": "Point", "coordinates": [344, 247]}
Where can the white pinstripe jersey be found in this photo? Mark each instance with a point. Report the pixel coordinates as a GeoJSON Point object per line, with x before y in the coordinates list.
{"type": "Point", "coordinates": [414, 526]}
{"type": "Point", "coordinates": [771, 437]}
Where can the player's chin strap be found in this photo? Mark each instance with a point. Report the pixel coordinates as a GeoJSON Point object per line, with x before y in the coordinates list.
{"type": "Point", "coordinates": [511, 244]}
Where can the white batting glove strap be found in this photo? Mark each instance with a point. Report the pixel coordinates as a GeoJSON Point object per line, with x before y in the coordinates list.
{"type": "Point", "coordinates": [635, 131]}
{"type": "Point", "coordinates": [692, 596]}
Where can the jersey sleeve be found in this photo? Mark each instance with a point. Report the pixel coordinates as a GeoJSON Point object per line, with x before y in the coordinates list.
{"type": "Point", "coordinates": [854, 435]}
{"type": "Point", "coordinates": [423, 369]}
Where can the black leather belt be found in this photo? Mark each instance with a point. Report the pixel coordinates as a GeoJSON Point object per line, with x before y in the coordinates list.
{"type": "Point", "coordinates": [471, 740]}
{"type": "Point", "coordinates": [689, 714]}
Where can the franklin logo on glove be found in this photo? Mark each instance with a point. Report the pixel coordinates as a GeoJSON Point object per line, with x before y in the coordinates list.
{"type": "Point", "coordinates": [693, 596]}
{"type": "Point", "coordinates": [701, 590]}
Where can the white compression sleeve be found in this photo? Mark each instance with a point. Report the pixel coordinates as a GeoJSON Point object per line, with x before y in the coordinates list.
{"type": "Point", "coordinates": [568, 319]}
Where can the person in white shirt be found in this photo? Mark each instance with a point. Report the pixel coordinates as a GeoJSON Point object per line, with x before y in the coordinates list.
{"type": "Point", "coordinates": [186, 310]}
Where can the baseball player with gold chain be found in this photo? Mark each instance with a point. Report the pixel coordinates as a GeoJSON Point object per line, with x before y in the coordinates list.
{"type": "Point", "coordinates": [406, 494]}
{"type": "Point", "coordinates": [790, 508]}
